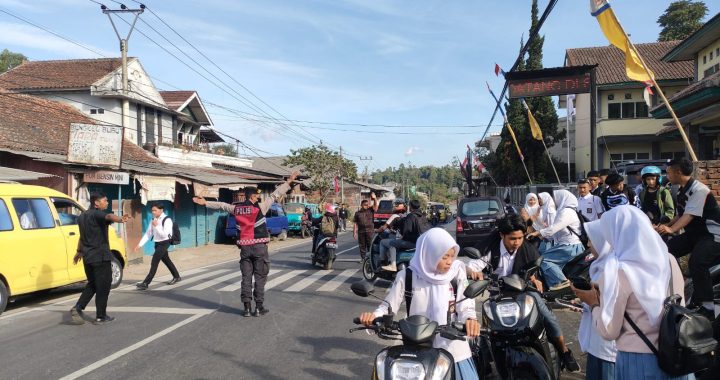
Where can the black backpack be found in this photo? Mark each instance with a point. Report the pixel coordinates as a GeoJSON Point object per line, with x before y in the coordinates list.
{"type": "Point", "coordinates": [175, 237]}
{"type": "Point", "coordinates": [582, 235]}
{"type": "Point", "coordinates": [685, 342]}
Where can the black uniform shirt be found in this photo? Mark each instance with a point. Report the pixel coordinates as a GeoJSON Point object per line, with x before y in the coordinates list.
{"type": "Point", "coordinates": [94, 242]}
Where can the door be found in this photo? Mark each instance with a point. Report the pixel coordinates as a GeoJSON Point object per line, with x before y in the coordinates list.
{"type": "Point", "coordinates": [68, 212]}
{"type": "Point", "coordinates": [38, 246]}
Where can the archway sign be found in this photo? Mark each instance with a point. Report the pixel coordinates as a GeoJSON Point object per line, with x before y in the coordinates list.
{"type": "Point", "coordinates": [559, 81]}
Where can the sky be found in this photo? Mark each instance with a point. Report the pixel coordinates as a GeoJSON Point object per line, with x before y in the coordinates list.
{"type": "Point", "coordinates": [388, 81]}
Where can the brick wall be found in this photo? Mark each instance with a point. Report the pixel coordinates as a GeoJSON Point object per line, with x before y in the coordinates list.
{"type": "Point", "coordinates": [708, 172]}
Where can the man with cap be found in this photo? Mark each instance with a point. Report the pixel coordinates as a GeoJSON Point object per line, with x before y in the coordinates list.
{"type": "Point", "coordinates": [252, 240]}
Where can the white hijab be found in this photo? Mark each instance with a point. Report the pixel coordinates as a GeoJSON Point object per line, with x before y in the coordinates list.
{"type": "Point", "coordinates": [638, 250]}
{"type": "Point", "coordinates": [565, 199]}
{"type": "Point", "coordinates": [547, 215]}
{"type": "Point", "coordinates": [430, 248]}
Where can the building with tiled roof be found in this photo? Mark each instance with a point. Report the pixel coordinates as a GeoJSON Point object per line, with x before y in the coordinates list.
{"type": "Point", "coordinates": [625, 130]}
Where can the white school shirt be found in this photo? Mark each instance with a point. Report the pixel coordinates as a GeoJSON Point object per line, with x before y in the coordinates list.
{"type": "Point", "coordinates": [505, 265]}
{"type": "Point", "coordinates": [465, 310]}
{"type": "Point", "coordinates": [590, 206]}
{"type": "Point", "coordinates": [161, 232]}
{"type": "Point", "coordinates": [559, 229]}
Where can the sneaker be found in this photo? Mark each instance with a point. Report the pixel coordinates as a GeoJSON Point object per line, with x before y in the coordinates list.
{"type": "Point", "coordinates": [389, 268]}
{"type": "Point", "coordinates": [246, 313]}
{"type": "Point", "coordinates": [260, 311]}
{"type": "Point", "coordinates": [141, 286]}
{"type": "Point", "coordinates": [560, 286]}
{"type": "Point", "coordinates": [104, 320]}
{"type": "Point", "coordinates": [569, 363]}
{"type": "Point", "coordinates": [174, 281]}
{"type": "Point", "coordinates": [77, 316]}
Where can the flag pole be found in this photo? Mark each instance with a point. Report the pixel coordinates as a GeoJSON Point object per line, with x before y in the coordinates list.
{"type": "Point", "coordinates": [567, 131]}
{"type": "Point", "coordinates": [551, 162]}
{"type": "Point", "coordinates": [522, 158]}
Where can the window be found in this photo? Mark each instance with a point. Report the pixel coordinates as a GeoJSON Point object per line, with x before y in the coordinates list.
{"type": "Point", "coordinates": [611, 97]}
{"type": "Point", "coordinates": [67, 210]}
{"type": "Point", "coordinates": [614, 111]}
{"type": "Point", "coordinates": [671, 155]}
{"type": "Point", "coordinates": [704, 59]}
{"type": "Point", "coordinates": [33, 213]}
{"type": "Point", "coordinates": [95, 111]}
{"type": "Point", "coordinates": [616, 157]}
{"type": "Point", "coordinates": [711, 55]}
{"type": "Point", "coordinates": [643, 156]}
{"type": "Point", "coordinates": [628, 110]}
{"type": "Point", "coordinates": [628, 95]}
{"type": "Point", "coordinates": [5, 221]}
{"type": "Point", "coordinates": [479, 207]}
{"type": "Point", "coordinates": [564, 144]}
{"type": "Point", "coordinates": [641, 109]}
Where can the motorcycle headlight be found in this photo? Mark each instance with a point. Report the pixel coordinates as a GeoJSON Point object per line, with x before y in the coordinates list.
{"type": "Point", "coordinates": [488, 311]}
{"type": "Point", "coordinates": [528, 306]}
{"type": "Point", "coordinates": [380, 364]}
{"type": "Point", "coordinates": [508, 312]}
{"type": "Point", "coordinates": [442, 367]}
{"type": "Point", "coordinates": [407, 370]}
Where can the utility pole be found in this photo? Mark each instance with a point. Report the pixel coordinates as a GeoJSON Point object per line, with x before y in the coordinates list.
{"type": "Point", "coordinates": [123, 51]}
{"type": "Point", "coordinates": [342, 179]}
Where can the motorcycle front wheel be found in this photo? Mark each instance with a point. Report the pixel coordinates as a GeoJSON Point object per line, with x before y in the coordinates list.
{"type": "Point", "coordinates": [367, 270]}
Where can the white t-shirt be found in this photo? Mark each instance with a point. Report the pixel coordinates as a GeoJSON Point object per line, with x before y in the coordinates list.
{"type": "Point", "coordinates": [590, 206]}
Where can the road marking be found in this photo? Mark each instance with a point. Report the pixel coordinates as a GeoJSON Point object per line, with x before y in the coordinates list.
{"type": "Point", "coordinates": [140, 309]}
{"type": "Point", "coordinates": [127, 350]}
{"type": "Point", "coordinates": [343, 251]}
{"type": "Point", "coordinates": [165, 277]}
{"type": "Point", "coordinates": [304, 283]}
{"type": "Point", "coordinates": [279, 280]}
{"type": "Point", "coordinates": [215, 281]}
{"type": "Point", "coordinates": [337, 280]}
{"type": "Point", "coordinates": [194, 279]}
{"type": "Point", "coordinates": [235, 286]}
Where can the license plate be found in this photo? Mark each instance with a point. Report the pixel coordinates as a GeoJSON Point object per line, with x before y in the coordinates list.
{"type": "Point", "coordinates": [331, 245]}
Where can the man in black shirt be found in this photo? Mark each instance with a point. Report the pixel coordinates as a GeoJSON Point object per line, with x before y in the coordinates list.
{"type": "Point", "coordinates": [94, 249]}
{"type": "Point", "coordinates": [616, 193]}
{"type": "Point", "coordinates": [343, 215]}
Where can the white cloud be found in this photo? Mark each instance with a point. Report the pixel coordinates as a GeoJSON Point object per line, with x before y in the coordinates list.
{"type": "Point", "coordinates": [390, 44]}
{"type": "Point", "coordinates": [24, 36]}
{"type": "Point", "coordinates": [412, 150]}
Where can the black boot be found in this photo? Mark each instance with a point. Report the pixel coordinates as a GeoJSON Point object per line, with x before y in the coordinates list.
{"type": "Point", "coordinates": [247, 312]}
{"type": "Point", "coordinates": [260, 310]}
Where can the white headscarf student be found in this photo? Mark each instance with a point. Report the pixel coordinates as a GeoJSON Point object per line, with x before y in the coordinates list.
{"type": "Point", "coordinates": [567, 242]}
{"type": "Point", "coordinates": [433, 268]}
{"type": "Point", "coordinates": [532, 212]}
{"type": "Point", "coordinates": [548, 211]}
{"type": "Point", "coordinates": [600, 363]}
{"type": "Point", "coordinates": [632, 278]}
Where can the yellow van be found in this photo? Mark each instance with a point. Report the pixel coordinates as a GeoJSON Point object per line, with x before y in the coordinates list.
{"type": "Point", "coordinates": [38, 240]}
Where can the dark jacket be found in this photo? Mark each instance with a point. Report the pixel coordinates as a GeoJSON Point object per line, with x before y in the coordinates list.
{"type": "Point", "coordinates": [411, 226]}
{"type": "Point", "coordinates": [524, 257]}
{"type": "Point", "coordinates": [611, 199]}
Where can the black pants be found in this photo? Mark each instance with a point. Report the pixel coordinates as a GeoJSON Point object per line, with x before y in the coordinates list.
{"type": "Point", "coordinates": [254, 262]}
{"type": "Point", "coordinates": [161, 254]}
{"type": "Point", "coordinates": [364, 241]}
{"type": "Point", "coordinates": [705, 252]}
{"type": "Point", "coordinates": [99, 279]}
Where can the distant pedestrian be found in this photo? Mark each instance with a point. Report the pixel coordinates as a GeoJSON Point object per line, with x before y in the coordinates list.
{"type": "Point", "coordinates": [363, 224]}
{"type": "Point", "coordinates": [252, 239]}
{"type": "Point", "coordinates": [160, 231]}
{"type": "Point", "coordinates": [94, 249]}
{"type": "Point", "coordinates": [343, 215]}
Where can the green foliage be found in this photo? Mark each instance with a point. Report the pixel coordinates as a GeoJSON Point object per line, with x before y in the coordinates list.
{"type": "Point", "coordinates": [322, 165]}
{"type": "Point", "coordinates": [681, 19]}
{"type": "Point", "coordinates": [504, 164]}
{"type": "Point", "coordinates": [225, 150]}
{"type": "Point", "coordinates": [436, 182]}
{"type": "Point", "coordinates": [9, 60]}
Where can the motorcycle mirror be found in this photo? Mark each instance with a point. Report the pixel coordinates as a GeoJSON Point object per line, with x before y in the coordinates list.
{"type": "Point", "coordinates": [362, 288]}
{"type": "Point", "coordinates": [476, 288]}
{"type": "Point", "coordinates": [470, 252]}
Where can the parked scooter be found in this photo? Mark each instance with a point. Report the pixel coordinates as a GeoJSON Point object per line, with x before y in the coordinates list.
{"type": "Point", "coordinates": [517, 340]}
{"type": "Point", "coordinates": [323, 250]}
{"type": "Point", "coordinates": [372, 264]}
{"type": "Point", "coordinates": [415, 358]}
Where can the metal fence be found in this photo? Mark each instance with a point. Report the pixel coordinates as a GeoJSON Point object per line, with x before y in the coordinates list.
{"type": "Point", "coordinates": [517, 194]}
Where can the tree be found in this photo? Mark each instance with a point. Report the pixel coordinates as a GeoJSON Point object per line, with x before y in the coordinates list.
{"type": "Point", "coordinates": [225, 150]}
{"type": "Point", "coordinates": [436, 182]}
{"type": "Point", "coordinates": [505, 164]}
{"type": "Point", "coordinates": [322, 165]}
{"type": "Point", "coordinates": [8, 60]}
{"type": "Point", "coordinates": [681, 19]}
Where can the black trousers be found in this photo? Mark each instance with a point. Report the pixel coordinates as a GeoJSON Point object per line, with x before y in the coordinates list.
{"type": "Point", "coordinates": [364, 241]}
{"type": "Point", "coordinates": [704, 252]}
{"type": "Point", "coordinates": [161, 254]}
{"type": "Point", "coordinates": [99, 279]}
{"type": "Point", "coordinates": [254, 262]}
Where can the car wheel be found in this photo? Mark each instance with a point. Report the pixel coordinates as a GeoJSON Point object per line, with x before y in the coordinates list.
{"type": "Point", "coordinates": [3, 297]}
{"type": "Point", "coordinates": [117, 272]}
{"type": "Point", "coordinates": [283, 235]}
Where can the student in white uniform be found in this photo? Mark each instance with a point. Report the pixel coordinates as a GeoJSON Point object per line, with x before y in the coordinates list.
{"type": "Point", "coordinates": [160, 231]}
{"type": "Point", "coordinates": [589, 204]}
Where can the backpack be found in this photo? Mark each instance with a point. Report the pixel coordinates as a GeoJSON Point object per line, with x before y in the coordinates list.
{"type": "Point", "coordinates": [175, 237]}
{"type": "Point", "coordinates": [685, 340]}
{"type": "Point", "coordinates": [327, 226]}
{"type": "Point", "coordinates": [582, 235]}
{"type": "Point", "coordinates": [409, 293]}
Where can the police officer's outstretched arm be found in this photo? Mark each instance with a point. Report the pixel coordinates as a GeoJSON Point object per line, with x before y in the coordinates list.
{"type": "Point", "coordinates": [280, 190]}
{"type": "Point", "coordinates": [214, 205]}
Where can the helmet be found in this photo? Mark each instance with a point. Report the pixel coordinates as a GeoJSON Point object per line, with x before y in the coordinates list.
{"type": "Point", "coordinates": [399, 201]}
{"type": "Point", "coordinates": [651, 170]}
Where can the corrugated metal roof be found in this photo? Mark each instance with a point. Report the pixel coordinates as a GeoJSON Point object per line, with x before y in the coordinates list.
{"type": "Point", "coordinates": [10, 174]}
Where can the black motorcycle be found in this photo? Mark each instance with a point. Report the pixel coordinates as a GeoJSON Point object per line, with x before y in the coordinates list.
{"type": "Point", "coordinates": [372, 264]}
{"type": "Point", "coordinates": [517, 341]}
{"type": "Point", "coordinates": [324, 248]}
{"type": "Point", "coordinates": [415, 358]}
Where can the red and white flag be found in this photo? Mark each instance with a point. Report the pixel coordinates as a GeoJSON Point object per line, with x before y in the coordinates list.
{"type": "Point", "coordinates": [481, 167]}
{"type": "Point", "coordinates": [337, 185]}
{"type": "Point", "coordinates": [648, 93]}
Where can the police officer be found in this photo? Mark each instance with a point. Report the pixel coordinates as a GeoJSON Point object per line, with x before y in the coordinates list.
{"type": "Point", "coordinates": [253, 237]}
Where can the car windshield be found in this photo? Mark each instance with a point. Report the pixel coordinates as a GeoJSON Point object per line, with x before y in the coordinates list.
{"type": "Point", "coordinates": [294, 208]}
{"type": "Point", "coordinates": [480, 207]}
{"type": "Point", "coordinates": [440, 207]}
{"type": "Point", "coordinates": [386, 204]}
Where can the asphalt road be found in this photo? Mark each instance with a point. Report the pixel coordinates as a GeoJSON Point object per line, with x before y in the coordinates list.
{"type": "Point", "coordinates": [193, 330]}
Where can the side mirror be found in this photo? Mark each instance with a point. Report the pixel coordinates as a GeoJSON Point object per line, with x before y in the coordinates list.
{"type": "Point", "coordinates": [476, 288]}
{"type": "Point", "coordinates": [470, 252]}
{"type": "Point", "coordinates": [362, 288]}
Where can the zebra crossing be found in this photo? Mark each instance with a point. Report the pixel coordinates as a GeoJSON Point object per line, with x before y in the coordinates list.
{"type": "Point", "coordinates": [285, 280]}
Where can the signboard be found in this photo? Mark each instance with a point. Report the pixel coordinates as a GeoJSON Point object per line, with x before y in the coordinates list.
{"type": "Point", "coordinates": [103, 176]}
{"type": "Point", "coordinates": [548, 82]}
{"type": "Point", "coordinates": [95, 144]}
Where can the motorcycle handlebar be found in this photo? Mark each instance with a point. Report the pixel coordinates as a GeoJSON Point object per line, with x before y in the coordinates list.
{"type": "Point", "coordinates": [375, 321]}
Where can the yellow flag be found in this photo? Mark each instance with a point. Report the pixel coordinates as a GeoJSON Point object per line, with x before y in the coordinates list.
{"type": "Point", "coordinates": [616, 35]}
{"type": "Point", "coordinates": [512, 134]}
{"type": "Point", "coordinates": [534, 126]}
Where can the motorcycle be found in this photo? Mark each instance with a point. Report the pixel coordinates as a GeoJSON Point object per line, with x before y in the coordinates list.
{"type": "Point", "coordinates": [578, 267]}
{"type": "Point", "coordinates": [372, 263]}
{"type": "Point", "coordinates": [517, 341]}
{"type": "Point", "coordinates": [415, 358]}
{"type": "Point", "coordinates": [324, 250]}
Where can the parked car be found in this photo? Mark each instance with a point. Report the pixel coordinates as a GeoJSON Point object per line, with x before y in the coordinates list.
{"type": "Point", "coordinates": [294, 213]}
{"type": "Point", "coordinates": [276, 219]}
{"type": "Point", "coordinates": [384, 212]}
{"type": "Point", "coordinates": [475, 220]}
{"type": "Point", "coordinates": [39, 236]}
